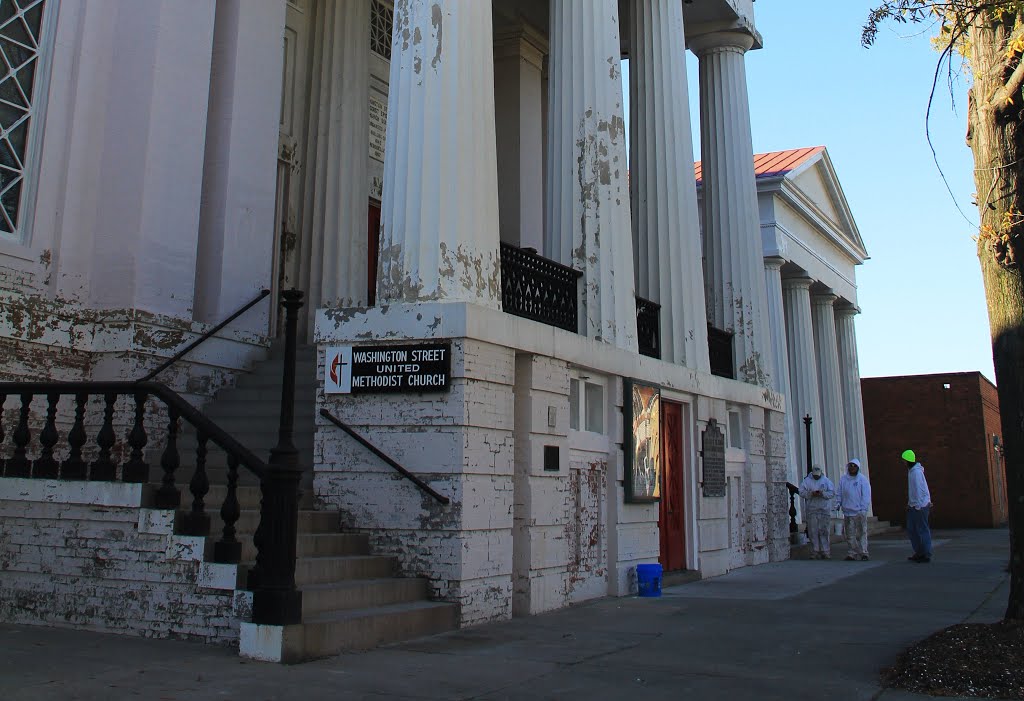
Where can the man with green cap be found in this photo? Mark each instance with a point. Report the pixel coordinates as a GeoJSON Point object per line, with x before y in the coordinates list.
{"type": "Point", "coordinates": [919, 506]}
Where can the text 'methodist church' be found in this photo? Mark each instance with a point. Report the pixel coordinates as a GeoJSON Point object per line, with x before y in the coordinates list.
{"type": "Point", "coordinates": [599, 360]}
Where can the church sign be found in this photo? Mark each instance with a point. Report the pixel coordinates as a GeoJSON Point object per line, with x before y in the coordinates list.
{"type": "Point", "coordinates": [419, 367]}
{"type": "Point", "coordinates": [713, 456]}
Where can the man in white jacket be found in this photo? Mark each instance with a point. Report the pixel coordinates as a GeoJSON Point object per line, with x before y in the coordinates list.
{"type": "Point", "coordinates": [919, 507]}
{"type": "Point", "coordinates": [854, 500]}
{"type": "Point", "coordinates": [818, 493]}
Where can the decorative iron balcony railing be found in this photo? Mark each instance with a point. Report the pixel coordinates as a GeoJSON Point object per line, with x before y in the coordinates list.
{"type": "Point", "coordinates": [648, 327]}
{"type": "Point", "coordinates": [537, 288]}
{"type": "Point", "coordinates": [720, 352]}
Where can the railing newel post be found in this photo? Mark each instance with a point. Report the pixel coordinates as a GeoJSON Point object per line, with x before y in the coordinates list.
{"type": "Point", "coordinates": [276, 600]}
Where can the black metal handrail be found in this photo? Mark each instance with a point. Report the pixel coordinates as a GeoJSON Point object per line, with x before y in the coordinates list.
{"type": "Point", "coordinates": [537, 288]}
{"type": "Point", "coordinates": [648, 327]}
{"type": "Point", "coordinates": [383, 456]}
{"type": "Point", "coordinates": [202, 339]}
{"type": "Point", "coordinates": [135, 469]}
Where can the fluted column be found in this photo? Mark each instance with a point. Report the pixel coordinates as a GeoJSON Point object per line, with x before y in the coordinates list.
{"type": "Point", "coordinates": [336, 193]}
{"type": "Point", "coordinates": [666, 228]}
{"type": "Point", "coordinates": [734, 287]}
{"type": "Point", "coordinates": [833, 426]}
{"type": "Point", "coordinates": [780, 367]}
{"type": "Point", "coordinates": [803, 370]}
{"type": "Point", "coordinates": [439, 213]}
{"type": "Point", "coordinates": [588, 219]}
{"type": "Point", "coordinates": [849, 373]}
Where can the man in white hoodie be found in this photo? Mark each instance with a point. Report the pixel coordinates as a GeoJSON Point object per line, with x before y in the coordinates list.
{"type": "Point", "coordinates": [854, 499]}
{"type": "Point", "coordinates": [818, 493]}
{"type": "Point", "coordinates": [919, 507]}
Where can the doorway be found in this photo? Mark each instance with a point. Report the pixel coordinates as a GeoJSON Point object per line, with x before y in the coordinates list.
{"type": "Point", "coordinates": [672, 510]}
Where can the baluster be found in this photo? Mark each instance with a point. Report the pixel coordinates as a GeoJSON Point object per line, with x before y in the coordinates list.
{"type": "Point", "coordinates": [137, 469]}
{"type": "Point", "coordinates": [228, 549]}
{"type": "Point", "coordinates": [19, 464]}
{"type": "Point", "coordinates": [197, 521]}
{"type": "Point", "coordinates": [3, 462]}
{"type": "Point", "coordinates": [45, 466]}
{"type": "Point", "coordinates": [169, 496]}
{"type": "Point", "coordinates": [75, 468]}
{"type": "Point", "coordinates": [792, 511]}
{"type": "Point", "coordinates": [103, 468]}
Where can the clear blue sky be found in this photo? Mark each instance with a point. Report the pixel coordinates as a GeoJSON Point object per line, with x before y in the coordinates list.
{"type": "Point", "coordinates": [922, 301]}
{"type": "Point", "coordinates": [921, 296]}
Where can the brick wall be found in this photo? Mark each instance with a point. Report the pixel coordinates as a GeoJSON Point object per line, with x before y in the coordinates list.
{"type": "Point", "coordinates": [84, 555]}
{"type": "Point", "coordinates": [944, 419]}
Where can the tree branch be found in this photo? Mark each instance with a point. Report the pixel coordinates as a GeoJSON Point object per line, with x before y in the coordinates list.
{"type": "Point", "coordinates": [1002, 97]}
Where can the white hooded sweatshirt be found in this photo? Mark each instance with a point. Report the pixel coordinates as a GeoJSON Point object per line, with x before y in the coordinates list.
{"type": "Point", "coordinates": [854, 494]}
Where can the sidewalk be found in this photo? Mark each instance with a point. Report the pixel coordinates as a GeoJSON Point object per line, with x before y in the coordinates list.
{"type": "Point", "coordinates": [789, 630]}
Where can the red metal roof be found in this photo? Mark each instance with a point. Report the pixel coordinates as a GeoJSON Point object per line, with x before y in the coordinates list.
{"type": "Point", "coordinates": [767, 165]}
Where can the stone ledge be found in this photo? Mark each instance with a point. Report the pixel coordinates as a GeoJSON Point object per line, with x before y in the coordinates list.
{"type": "Point", "coordinates": [115, 494]}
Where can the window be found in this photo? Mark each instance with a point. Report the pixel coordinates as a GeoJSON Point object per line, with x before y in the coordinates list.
{"type": "Point", "coordinates": [382, 21]}
{"type": "Point", "coordinates": [735, 430]}
{"type": "Point", "coordinates": [22, 27]}
{"type": "Point", "coordinates": [586, 408]}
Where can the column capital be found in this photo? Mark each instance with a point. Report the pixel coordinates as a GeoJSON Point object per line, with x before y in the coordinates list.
{"type": "Point", "coordinates": [774, 262]}
{"type": "Point", "coordinates": [797, 283]}
{"type": "Point", "coordinates": [738, 42]}
{"type": "Point", "coordinates": [847, 309]}
{"type": "Point", "coordinates": [523, 41]}
{"type": "Point", "coordinates": [825, 298]}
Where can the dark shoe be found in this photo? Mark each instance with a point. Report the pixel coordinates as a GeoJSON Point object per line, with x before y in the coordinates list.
{"type": "Point", "coordinates": [914, 558]}
{"type": "Point", "coordinates": [865, 558]}
{"type": "Point", "coordinates": [849, 558]}
{"type": "Point", "coordinates": [923, 559]}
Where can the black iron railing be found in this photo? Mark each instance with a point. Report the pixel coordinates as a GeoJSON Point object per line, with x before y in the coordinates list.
{"type": "Point", "coordinates": [276, 601]}
{"type": "Point", "coordinates": [440, 498]}
{"type": "Point", "coordinates": [202, 339]}
{"type": "Point", "coordinates": [793, 492]}
{"type": "Point", "coordinates": [537, 288]}
{"type": "Point", "coordinates": [648, 327]}
{"type": "Point", "coordinates": [720, 353]}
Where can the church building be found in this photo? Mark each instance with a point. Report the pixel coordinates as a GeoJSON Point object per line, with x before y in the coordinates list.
{"type": "Point", "coordinates": [527, 362]}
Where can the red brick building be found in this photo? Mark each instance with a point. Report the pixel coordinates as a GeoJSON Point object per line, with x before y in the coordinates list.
{"type": "Point", "coordinates": [952, 422]}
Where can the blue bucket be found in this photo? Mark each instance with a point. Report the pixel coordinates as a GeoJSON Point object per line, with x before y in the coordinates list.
{"type": "Point", "coordinates": [648, 580]}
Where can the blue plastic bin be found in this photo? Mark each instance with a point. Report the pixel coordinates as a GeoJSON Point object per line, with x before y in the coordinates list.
{"type": "Point", "coordinates": [648, 580]}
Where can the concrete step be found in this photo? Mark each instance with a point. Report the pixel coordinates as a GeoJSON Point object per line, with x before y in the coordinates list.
{"type": "Point", "coordinates": [317, 546]}
{"type": "Point", "coordinates": [326, 570]}
{"type": "Point", "coordinates": [362, 629]}
{"type": "Point", "coordinates": [267, 409]}
{"type": "Point", "coordinates": [360, 594]}
{"type": "Point", "coordinates": [310, 522]}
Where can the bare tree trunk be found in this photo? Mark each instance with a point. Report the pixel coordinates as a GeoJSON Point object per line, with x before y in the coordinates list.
{"type": "Point", "coordinates": [997, 142]}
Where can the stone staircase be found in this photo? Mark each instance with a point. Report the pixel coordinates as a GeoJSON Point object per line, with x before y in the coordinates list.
{"type": "Point", "coordinates": [351, 598]}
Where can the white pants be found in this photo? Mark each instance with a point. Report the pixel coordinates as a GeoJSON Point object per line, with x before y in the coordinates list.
{"type": "Point", "coordinates": [856, 528]}
{"type": "Point", "coordinates": [818, 526]}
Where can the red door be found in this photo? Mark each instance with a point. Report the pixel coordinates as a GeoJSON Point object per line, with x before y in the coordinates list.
{"type": "Point", "coordinates": [373, 244]}
{"type": "Point", "coordinates": [671, 516]}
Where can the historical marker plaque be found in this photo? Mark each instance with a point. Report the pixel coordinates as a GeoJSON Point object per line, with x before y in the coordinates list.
{"type": "Point", "coordinates": [713, 457]}
{"type": "Point", "coordinates": [378, 127]}
{"type": "Point", "coordinates": [420, 367]}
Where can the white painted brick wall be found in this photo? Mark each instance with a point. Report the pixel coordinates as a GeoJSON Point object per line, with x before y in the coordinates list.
{"type": "Point", "coordinates": [82, 555]}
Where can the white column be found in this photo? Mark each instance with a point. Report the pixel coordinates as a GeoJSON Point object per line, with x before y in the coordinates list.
{"type": "Point", "coordinates": [849, 373]}
{"type": "Point", "coordinates": [588, 220]}
{"type": "Point", "coordinates": [732, 230]}
{"type": "Point", "coordinates": [336, 192]}
{"type": "Point", "coordinates": [518, 90]}
{"type": "Point", "coordinates": [136, 150]}
{"type": "Point", "coordinates": [833, 424]}
{"type": "Point", "coordinates": [236, 227]}
{"type": "Point", "coordinates": [439, 214]}
{"type": "Point", "coordinates": [780, 367]}
{"type": "Point", "coordinates": [666, 228]}
{"type": "Point", "coordinates": [803, 371]}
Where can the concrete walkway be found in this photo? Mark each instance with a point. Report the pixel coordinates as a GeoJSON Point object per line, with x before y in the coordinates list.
{"type": "Point", "coordinates": [791, 630]}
